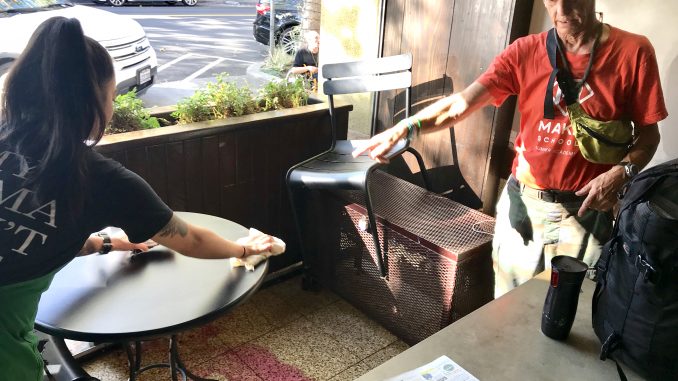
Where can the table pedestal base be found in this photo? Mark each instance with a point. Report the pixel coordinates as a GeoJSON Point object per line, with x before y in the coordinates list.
{"type": "Point", "coordinates": [175, 365]}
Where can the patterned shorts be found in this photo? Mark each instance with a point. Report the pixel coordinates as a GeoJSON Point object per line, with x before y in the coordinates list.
{"type": "Point", "coordinates": [529, 232]}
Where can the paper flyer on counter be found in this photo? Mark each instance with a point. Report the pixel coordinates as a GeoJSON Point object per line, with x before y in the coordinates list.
{"type": "Point", "coordinates": [440, 369]}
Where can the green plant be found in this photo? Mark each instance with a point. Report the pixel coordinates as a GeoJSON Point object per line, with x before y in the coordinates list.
{"type": "Point", "coordinates": [278, 63]}
{"type": "Point", "coordinates": [217, 101]}
{"type": "Point", "coordinates": [283, 94]}
{"type": "Point", "coordinates": [129, 114]}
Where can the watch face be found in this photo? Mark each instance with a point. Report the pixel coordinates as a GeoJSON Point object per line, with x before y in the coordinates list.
{"type": "Point", "coordinates": [631, 170]}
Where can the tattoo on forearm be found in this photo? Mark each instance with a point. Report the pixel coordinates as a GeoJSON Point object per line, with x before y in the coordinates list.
{"type": "Point", "coordinates": [174, 226]}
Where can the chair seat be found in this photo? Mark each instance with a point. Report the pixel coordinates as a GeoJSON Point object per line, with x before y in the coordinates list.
{"type": "Point", "coordinates": [337, 167]}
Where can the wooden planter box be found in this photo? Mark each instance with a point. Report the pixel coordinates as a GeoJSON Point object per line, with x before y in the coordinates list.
{"type": "Point", "coordinates": [233, 168]}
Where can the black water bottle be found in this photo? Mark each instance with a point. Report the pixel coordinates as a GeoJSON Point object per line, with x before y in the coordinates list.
{"type": "Point", "coordinates": [560, 307]}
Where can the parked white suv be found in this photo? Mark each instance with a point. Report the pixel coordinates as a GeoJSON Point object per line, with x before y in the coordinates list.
{"type": "Point", "coordinates": [134, 59]}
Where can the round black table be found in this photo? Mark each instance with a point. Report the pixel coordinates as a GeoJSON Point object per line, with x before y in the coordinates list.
{"type": "Point", "coordinates": [122, 298]}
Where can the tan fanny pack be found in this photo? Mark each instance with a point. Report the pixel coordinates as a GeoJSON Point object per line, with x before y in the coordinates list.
{"type": "Point", "coordinates": [602, 142]}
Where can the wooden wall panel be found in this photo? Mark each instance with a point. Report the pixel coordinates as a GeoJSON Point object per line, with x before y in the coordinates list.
{"type": "Point", "coordinates": [393, 33]}
{"type": "Point", "coordinates": [452, 44]}
{"type": "Point", "coordinates": [478, 36]}
{"type": "Point", "coordinates": [426, 34]}
{"type": "Point", "coordinates": [194, 175]}
{"type": "Point", "coordinates": [157, 169]}
{"type": "Point", "coordinates": [137, 163]}
{"type": "Point", "coordinates": [176, 178]}
{"type": "Point", "coordinates": [211, 180]}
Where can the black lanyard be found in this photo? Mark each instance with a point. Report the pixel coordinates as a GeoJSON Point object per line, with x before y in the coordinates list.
{"type": "Point", "coordinates": [568, 86]}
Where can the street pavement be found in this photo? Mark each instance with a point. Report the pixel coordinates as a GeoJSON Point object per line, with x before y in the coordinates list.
{"type": "Point", "coordinates": [194, 44]}
{"type": "Point", "coordinates": [168, 93]}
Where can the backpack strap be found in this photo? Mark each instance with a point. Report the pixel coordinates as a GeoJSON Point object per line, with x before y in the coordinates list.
{"type": "Point", "coordinates": [630, 195]}
{"type": "Point", "coordinates": [620, 371]}
{"type": "Point", "coordinates": [611, 344]}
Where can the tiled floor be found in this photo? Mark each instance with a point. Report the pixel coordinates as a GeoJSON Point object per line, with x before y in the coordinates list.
{"type": "Point", "coordinates": [281, 334]}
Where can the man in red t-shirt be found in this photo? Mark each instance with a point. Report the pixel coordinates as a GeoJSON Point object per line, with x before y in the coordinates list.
{"type": "Point", "coordinates": [556, 202]}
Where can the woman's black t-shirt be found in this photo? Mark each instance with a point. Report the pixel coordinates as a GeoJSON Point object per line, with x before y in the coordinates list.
{"type": "Point", "coordinates": [37, 237]}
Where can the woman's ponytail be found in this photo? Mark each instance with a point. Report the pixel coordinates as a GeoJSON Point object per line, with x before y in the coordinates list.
{"type": "Point", "coordinates": [53, 100]}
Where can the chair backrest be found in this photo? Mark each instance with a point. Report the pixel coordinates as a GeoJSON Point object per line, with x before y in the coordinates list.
{"type": "Point", "coordinates": [378, 74]}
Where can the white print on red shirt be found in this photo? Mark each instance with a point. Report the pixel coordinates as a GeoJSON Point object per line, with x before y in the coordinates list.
{"type": "Point", "coordinates": [555, 136]}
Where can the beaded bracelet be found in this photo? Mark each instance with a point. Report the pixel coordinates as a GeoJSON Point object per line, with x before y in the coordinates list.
{"type": "Point", "coordinates": [410, 130]}
{"type": "Point", "coordinates": [419, 129]}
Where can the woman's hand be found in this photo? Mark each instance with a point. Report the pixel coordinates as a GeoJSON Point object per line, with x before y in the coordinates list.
{"type": "Point", "coordinates": [121, 242]}
{"type": "Point", "coordinates": [258, 244]}
{"type": "Point", "coordinates": [382, 143]}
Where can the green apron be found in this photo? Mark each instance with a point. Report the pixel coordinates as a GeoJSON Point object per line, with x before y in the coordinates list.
{"type": "Point", "coordinates": [19, 356]}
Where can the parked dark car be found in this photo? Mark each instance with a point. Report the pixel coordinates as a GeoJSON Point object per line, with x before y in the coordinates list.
{"type": "Point", "coordinates": [120, 3]}
{"type": "Point", "coordinates": [287, 23]}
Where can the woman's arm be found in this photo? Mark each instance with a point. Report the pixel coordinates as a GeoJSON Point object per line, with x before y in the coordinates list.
{"type": "Point", "coordinates": [198, 242]}
{"type": "Point", "coordinates": [440, 115]}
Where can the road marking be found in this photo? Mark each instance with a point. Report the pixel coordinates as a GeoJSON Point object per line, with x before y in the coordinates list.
{"type": "Point", "coordinates": [172, 62]}
{"type": "Point", "coordinates": [221, 58]}
{"type": "Point", "coordinates": [204, 69]}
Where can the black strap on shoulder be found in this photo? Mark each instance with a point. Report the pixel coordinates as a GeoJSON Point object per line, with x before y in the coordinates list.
{"type": "Point", "coordinates": [551, 48]}
{"type": "Point", "coordinates": [568, 86]}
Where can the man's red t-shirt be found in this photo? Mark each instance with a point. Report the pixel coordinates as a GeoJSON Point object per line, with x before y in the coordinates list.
{"type": "Point", "coordinates": [623, 84]}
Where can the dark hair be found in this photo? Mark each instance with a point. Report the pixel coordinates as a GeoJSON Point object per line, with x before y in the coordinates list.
{"type": "Point", "coordinates": [53, 104]}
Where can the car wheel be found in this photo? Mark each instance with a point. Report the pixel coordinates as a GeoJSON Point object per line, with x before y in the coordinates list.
{"type": "Point", "coordinates": [190, 3]}
{"type": "Point", "coordinates": [116, 3]}
{"type": "Point", "coordinates": [289, 39]}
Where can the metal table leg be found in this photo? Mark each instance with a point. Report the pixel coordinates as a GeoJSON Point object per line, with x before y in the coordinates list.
{"type": "Point", "coordinates": [175, 364]}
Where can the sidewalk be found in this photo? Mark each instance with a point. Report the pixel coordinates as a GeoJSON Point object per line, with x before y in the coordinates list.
{"type": "Point", "coordinates": [169, 93]}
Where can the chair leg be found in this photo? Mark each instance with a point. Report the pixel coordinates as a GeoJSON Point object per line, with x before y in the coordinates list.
{"type": "Point", "coordinates": [307, 282]}
{"type": "Point", "coordinates": [373, 229]}
{"type": "Point", "coordinates": [422, 168]}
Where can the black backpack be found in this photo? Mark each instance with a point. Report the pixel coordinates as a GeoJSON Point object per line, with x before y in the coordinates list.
{"type": "Point", "coordinates": [635, 305]}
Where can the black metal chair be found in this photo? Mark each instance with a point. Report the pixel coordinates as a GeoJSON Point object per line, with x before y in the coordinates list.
{"type": "Point", "coordinates": [336, 168]}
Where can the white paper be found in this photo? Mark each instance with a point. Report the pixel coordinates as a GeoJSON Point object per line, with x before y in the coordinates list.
{"type": "Point", "coordinates": [440, 369]}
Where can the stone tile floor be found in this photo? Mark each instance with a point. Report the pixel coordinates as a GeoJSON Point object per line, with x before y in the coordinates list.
{"type": "Point", "coordinates": [281, 334]}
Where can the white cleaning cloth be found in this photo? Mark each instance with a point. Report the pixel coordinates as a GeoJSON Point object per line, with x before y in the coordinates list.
{"type": "Point", "coordinates": [251, 261]}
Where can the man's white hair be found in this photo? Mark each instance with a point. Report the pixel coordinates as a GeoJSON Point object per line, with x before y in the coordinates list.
{"type": "Point", "coordinates": [311, 34]}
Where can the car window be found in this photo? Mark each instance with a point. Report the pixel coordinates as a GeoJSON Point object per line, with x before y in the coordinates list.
{"type": "Point", "coordinates": [286, 5]}
{"type": "Point", "coordinates": [19, 5]}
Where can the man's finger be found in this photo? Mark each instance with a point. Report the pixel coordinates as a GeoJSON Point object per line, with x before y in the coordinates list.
{"type": "Point", "coordinates": [363, 148]}
{"type": "Point", "coordinates": [584, 191]}
{"type": "Point", "coordinates": [584, 206]}
{"type": "Point", "coordinates": [380, 150]}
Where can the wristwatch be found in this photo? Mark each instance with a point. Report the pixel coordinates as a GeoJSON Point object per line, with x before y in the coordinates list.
{"type": "Point", "coordinates": [630, 169]}
{"type": "Point", "coordinates": [107, 245]}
